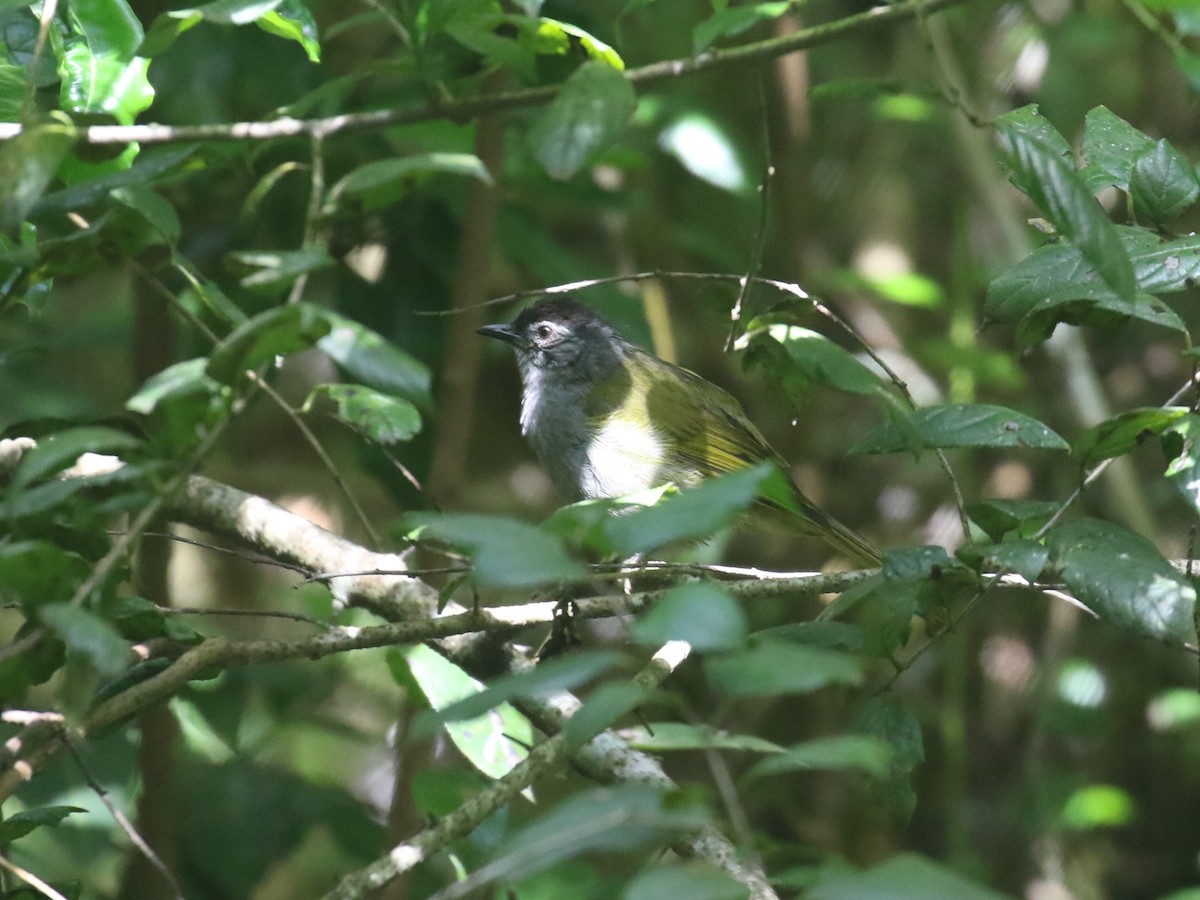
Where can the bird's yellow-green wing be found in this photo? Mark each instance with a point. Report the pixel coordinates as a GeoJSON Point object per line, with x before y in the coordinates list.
{"type": "Point", "coordinates": [711, 435]}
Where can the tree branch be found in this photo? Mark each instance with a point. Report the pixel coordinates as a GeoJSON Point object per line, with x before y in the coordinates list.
{"type": "Point", "coordinates": [469, 108]}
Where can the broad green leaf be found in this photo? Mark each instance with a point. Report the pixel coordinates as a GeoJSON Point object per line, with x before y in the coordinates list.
{"type": "Point", "coordinates": [1102, 311]}
{"type": "Point", "coordinates": [150, 166]}
{"type": "Point", "coordinates": [276, 332]}
{"type": "Point", "coordinates": [382, 182]}
{"type": "Point", "coordinates": [286, 18]}
{"type": "Point", "coordinates": [915, 562]}
{"type": "Point", "coordinates": [1110, 145]}
{"type": "Point", "coordinates": [495, 741]}
{"type": "Point", "coordinates": [98, 62]}
{"type": "Point", "coordinates": [588, 114]}
{"type": "Point", "coordinates": [59, 451]}
{"type": "Point", "coordinates": [961, 425]}
{"type": "Point", "coordinates": [385, 420]}
{"type": "Point", "coordinates": [808, 358]}
{"type": "Point", "coordinates": [1123, 578]}
{"type": "Point", "coordinates": [659, 737]}
{"type": "Point", "coordinates": [292, 20]}
{"type": "Point", "coordinates": [887, 719]}
{"type": "Point", "coordinates": [602, 708]}
{"type": "Point", "coordinates": [198, 734]}
{"type": "Point", "coordinates": [1020, 556]}
{"type": "Point", "coordinates": [372, 360]}
{"type": "Point", "coordinates": [1163, 184]}
{"type": "Point", "coordinates": [905, 876]}
{"type": "Point", "coordinates": [15, 91]}
{"type": "Point", "coordinates": [34, 573]}
{"type": "Point", "coordinates": [1183, 442]}
{"type": "Point", "coordinates": [1098, 806]}
{"type": "Point", "coordinates": [691, 880]}
{"type": "Point", "coordinates": [85, 632]}
{"type": "Point", "coordinates": [689, 515]}
{"type": "Point", "coordinates": [844, 751]}
{"type": "Point", "coordinates": [625, 818]}
{"type": "Point", "coordinates": [1040, 169]}
{"type": "Point", "coordinates": [27, 163]}
{"type": "Point", "coordinates": [734, 20]}
{"type": "Point", "coordinates": [772, 668]}
{"type": "Point", "coordinates": [182, 377]}
{"type": "Point", "coordinates": [151, 207]}
{"type": "Point", "coordinates": [702, 614]}
{"type": "Point", "coordinates": [552, 36]}
{"type": "Point", "coordinates": [1123, 433]}
{"type": "Point", "coordinates": [506, 553]}
{"type": "Point", "coordinates": [562, 673]}
{"type": "Point", "coordinates": [274, 271]}
{"type": "Point", "coordinates": [21, 823]}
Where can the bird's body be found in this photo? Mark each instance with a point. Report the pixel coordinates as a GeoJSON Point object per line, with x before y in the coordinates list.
{"type": "Point", "coordinates": [607, 419]}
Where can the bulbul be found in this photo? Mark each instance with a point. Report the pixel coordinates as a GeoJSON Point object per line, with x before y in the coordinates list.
{"type": "Point", "coordinates": [607, 419]}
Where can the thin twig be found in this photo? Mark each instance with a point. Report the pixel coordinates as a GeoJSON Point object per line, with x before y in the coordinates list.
{"type": "Point", "coordinates": [32, 880]}
{"type": "Point", "coordinates": [764, 218]}
{"type": "Point", "coordinates": [120, 818]}
{"type": "Point", "coordinates": [249, 613]}
{"type": "Point", "coordinates": [311, 438]}
{"type": "Point", "coordinates": [316, 197]}
{"type": "Point", "coordinates": [256, 559]}
{"type": "Point", "coordinates": [465, 109]}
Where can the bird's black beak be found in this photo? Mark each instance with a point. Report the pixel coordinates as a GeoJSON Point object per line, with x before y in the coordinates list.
{"type": "Point", "coordinates": [501, 332]}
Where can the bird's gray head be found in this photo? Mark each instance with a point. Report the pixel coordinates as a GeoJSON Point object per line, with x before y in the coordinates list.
{"type": "Point", "coordinates": [561, 336]}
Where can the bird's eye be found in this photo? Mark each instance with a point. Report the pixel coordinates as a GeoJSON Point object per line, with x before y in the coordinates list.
{"type": "Point", "coordinates": [544, 331]}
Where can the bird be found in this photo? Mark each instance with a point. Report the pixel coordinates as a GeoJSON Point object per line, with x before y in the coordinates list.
{"type": "Point", "coordinates": [607, 419]}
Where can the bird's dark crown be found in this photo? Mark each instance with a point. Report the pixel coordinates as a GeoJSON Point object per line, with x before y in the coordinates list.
{"type": "Point", "coordinates": [564, 311]}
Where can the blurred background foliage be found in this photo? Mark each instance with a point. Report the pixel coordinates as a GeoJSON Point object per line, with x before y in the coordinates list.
{"type": "Point", "coordinates": [1057, 756]}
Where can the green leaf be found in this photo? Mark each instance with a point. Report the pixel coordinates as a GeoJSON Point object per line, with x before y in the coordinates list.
{"type": "Point", "coordinates": [845, 751]}
{"type": "Point", "coordinates": [286, 18]}
{"type": "Point", "coordinates": [905, 876]}
{"type": "Point", "coordinates": [596, 49]}
{"type": "Point", "coordinates": [378, 184]}
{"type": "Point", "coordinates": [157, 212]}
{"type": "Point", "coordinates": [275, 271]}
{"type": "Point", "coordinates": [15, 90]}
{"type": "Point", "coordinates": [370, 359]}
{"type": "Point", "coordinates": [1124, 433]}
{"type": "Point", "coordinates": [1039, 168]}
{"type": "Point", "coordinates": [59, 451]}
{"type": "Point", "coordinates": [588, 114]}
{"type": "Point", "coordinates": [961, 425]}
{"type": "Point", "coordinates": [27, 163]}
{"type": "Point", "coordinates": [688, 515]}
{"type": "Point", "coordinates": [98, 63]}
{"type": "Point", "coordinates": [772, 667]}
{"type": "Point", "coordinates": [702, 614]}
{"type": "Point", "coordinates": [562, 673]}
{"type": "Point", "coordinates": [886, 718]}
{"type": "Point", "coordinates": [1110, 145]}
{"type": "Point", "coordinates": [21, 823]}
{"type": "Point", "coordinates": [734, 20]}
{"type": "Point", "coordinates": [85, 632]}
{"type": "Point", "coordinates": [149, 167]}
{"type": "Point", "coordinates": [495, 741]}
{"type": "Point", "coordinates": [607, 703]}
{"type": "Point", "coordinates": [1098, 806]}
{"type": "Point", "coordinates": [808, 358]}
{"type": "Point", "coordinates": [626, 818]}
{"type": "Point", "coordinates": [694, 881]}
{"type": "Point", "coordinates": [915, 562]}
{"type": "Point", "coordinates": [198, 734]}
{"type": "Point", "coordinates": [1021, 556]}
{"type": "Point", "coordinates": [1123, 578]}
{"type": "Point", "coordinates": [1101, 311]}
{"type": "Point", "coordinates": [660, 737]}
{"type": "Point", "coordinates": [1163, 183]}
{"type": "Point", "coordinates": [1184, 469]}
{"type": "Point", "coordinates": [506, 553]}
{"type": "Point", "coordinates": [183, 377]}
{"type": "Point", "coordinates": [34, 573]}
{"type": "Point", "coordinates": [385, 420]}
{"type": "Point", "coordinates": [276, 332]}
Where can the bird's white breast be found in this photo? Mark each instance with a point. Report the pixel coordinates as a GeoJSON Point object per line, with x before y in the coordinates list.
{"type": "Point", "coordinates": [622, 458]}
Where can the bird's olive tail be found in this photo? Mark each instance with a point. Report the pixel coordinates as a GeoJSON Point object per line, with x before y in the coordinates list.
{"type": "Point", "coordinates": [808, 519]}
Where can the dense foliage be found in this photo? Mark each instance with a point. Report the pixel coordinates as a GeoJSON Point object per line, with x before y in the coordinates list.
{"type": "Point", "coordinates": [942, 251]}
